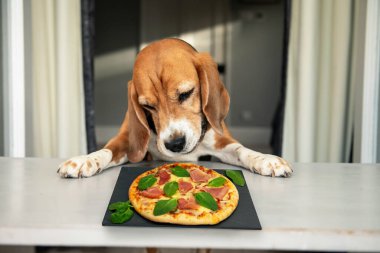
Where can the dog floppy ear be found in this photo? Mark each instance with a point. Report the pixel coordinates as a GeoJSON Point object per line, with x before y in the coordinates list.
{"type": "Point", "coordinates": [137, 127]}
{"type": "Point", "coordinates": [214, 96]}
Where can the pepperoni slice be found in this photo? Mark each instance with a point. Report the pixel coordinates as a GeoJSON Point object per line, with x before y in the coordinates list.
{"type": "Point", "coordinates": [152, 192]}
{"type": "Point", "coordinates": [217, 192]}
{"type": "Point", "coordinates": [199, 176]}
{"type": "Point", "coordinates": [184, 186]}
{"type": "Point", "coordinates": [190, 203]}
{"type": "Point", "coordinates": [164, 177]}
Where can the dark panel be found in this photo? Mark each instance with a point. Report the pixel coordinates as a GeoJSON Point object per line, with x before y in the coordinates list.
{"type": "Point", "coordinates": [88, 32]}
{"type": "Point", "coordinates": [244, 216]}
{"type": "Point", "coordinates": [278, 120]}
{"type": "Point", "coordinates": [117, 25]}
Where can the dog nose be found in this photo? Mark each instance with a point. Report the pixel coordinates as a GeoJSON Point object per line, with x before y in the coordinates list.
{"type": "Point", "coordinates": [176, 145]}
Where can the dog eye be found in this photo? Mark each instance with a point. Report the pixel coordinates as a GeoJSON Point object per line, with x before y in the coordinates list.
{"type": "Point", "coordinates": [183, 96]}
{"type": "Point", "coordinates": [149, 107]}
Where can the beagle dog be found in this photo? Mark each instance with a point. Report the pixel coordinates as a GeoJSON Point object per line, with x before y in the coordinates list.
{"type": "Point", "coordinates": [176, 110]}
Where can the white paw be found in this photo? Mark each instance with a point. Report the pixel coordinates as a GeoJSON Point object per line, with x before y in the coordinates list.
{"type": "Point", "coordinates": [85, 166]}
{"type": "Point", "coordinates": [274, 166]}
{"type": "Point", "coordinates": [266, 165]}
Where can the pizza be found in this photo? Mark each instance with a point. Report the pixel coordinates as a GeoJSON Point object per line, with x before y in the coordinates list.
{"type": "Point", "coordinates": [183, 193]}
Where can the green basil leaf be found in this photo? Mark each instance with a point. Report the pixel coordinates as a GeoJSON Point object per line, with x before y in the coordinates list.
{"type": "Point", "coordinates": [121, 217]}
{"type": "Point", "coordinates": [217, 182]}
{"type": "Point", "coordinates": [236, 177]}
{"type": "Point", "coordinates": [180, 172]}
{"type": "Point", "coordinates": [206, 200]}
{"type": "Point", "coordinates": [120, 206]}
{"type": "Point", "coordinates": [146, 182]}
{"type": "Point", "coordinates": [165, 206]}
{"type": "Point", "coordinates": [170, 188]}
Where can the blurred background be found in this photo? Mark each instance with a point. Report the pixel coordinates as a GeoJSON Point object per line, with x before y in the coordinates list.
{"type": "Point", "coordinates": [226, 29]}
{"type": "Point", "coordinates": [303, 76]}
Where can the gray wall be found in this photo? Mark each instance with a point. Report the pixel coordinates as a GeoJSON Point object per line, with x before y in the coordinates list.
{"type": "Point", "coordinates": [255, 62]}
{"type": "Point", "coordinates": [1, 87]}
{"type": "Point", "coordinates": [116, 43]}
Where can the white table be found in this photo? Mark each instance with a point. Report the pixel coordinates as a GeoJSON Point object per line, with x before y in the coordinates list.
{"type": "Point", "coordinates": [321, 207]}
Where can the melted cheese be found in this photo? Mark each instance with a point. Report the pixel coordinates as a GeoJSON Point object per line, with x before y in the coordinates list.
{"type": "Point", "coordinates": [148, 204]}
{"type": "Point", "coordinates": [202, 215]}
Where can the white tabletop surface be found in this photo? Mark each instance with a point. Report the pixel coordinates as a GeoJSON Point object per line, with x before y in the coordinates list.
{"type": "Point", "coordinates": [320, 207]}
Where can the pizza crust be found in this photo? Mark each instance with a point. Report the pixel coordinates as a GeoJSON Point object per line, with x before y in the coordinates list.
{"type": "Point", "coordinates": [202, 216]}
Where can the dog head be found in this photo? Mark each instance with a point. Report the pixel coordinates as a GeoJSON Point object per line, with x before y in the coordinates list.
{"type": "Point", "coordinates": [176, 93]}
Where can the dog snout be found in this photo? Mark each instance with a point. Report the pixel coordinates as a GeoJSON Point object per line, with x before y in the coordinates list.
{"type": "Point", "coordinates": [176, 145]}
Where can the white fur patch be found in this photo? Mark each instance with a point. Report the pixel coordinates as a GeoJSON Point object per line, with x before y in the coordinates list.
{"type": "Point", "coordinates": [88, 165]}
{"type": "Point", "coordinates": [185, 86]}
{"type": "Point", "coordinates": [237, 154]}
{"type": "Point", "coordinates": [181, 127]}
{"type": "Point", "coordinates": [263, 164]}
{"type": "Point", "coordinates": [175, 157]}
{"type": "Point", "coordinates": [142, 100]}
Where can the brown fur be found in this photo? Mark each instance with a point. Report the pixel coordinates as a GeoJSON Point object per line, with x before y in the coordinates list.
{"type": "Point", "coordinates": [158, 70]}
{"type": "Point", "coordinates": [176, 105]}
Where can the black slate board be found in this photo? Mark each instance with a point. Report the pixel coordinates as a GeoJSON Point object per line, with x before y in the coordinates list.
{"type": "Point", "coordinates": [244, 217]}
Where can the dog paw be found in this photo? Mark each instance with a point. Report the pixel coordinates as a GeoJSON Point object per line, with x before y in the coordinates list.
{"type": "Point", "coordinates": [79, 166]}
{"type": "Point", "coordinates": [267, 165]}
{"type": "Point", "coordinates": [275, 166]}
{"type": "Point", "coordinates": [85, 166]}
